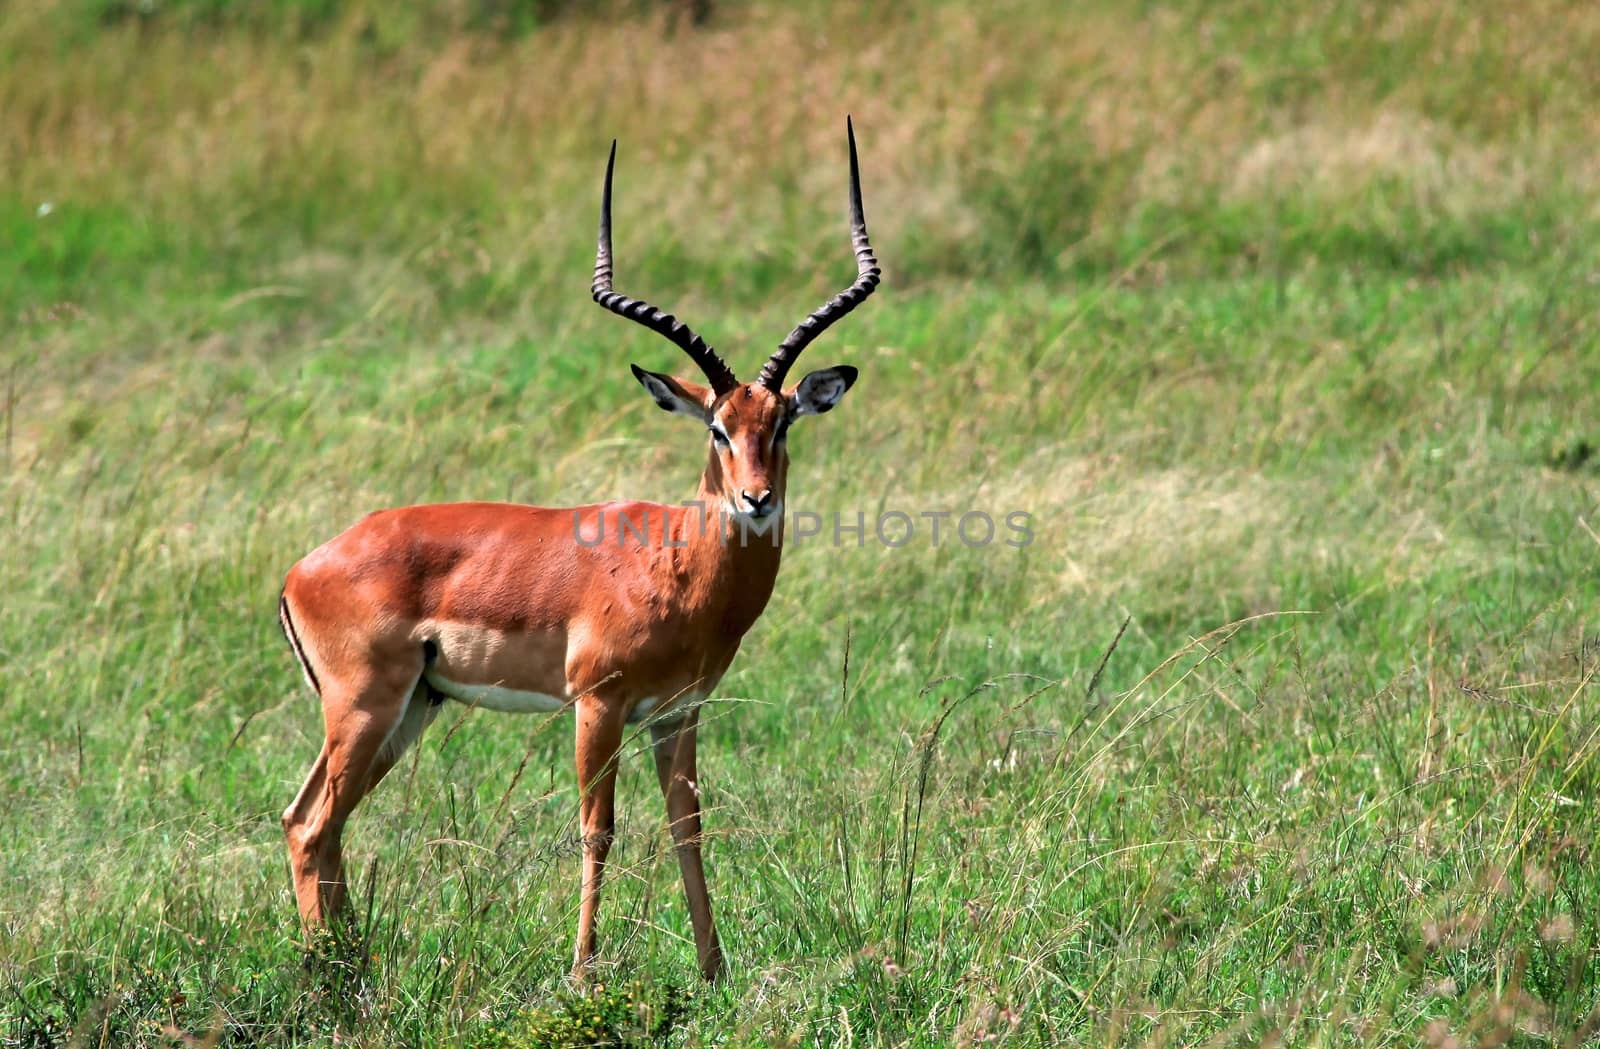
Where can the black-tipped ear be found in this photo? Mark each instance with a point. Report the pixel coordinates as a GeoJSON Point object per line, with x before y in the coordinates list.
{"type": "Point", "coordinates": [819, 392]}
{"type": "Point", "coordinates": [675, 395]}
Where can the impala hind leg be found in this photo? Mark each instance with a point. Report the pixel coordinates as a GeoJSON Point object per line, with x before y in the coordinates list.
{"type": "Point", "coordinates": [600, 727]}
{"type": "Point", "coordinates": [361, 719]}
{"type": "Point", "coordinates": [421, 709]}
{"type": "Point", "coordinates": [673, 743]}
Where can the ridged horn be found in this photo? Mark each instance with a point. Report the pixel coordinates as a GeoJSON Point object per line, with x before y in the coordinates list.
{"type": "Point", "coordinates": [715, 368]}
{"type": "Point", "coordinates": [867, 277]}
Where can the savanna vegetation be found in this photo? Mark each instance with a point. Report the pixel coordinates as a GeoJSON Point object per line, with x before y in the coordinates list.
{"type": "Point", "coordinates": [1281, 321]}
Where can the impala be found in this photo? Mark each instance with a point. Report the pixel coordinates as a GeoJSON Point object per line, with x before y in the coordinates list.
{"type": "Point", "coordinates": [519, 608]}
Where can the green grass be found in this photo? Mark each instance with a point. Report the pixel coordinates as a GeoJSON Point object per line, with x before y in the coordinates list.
{"type": "Point", "coordinates": [1283, 329]}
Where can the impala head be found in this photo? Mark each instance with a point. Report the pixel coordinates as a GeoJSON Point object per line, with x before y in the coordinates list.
{"type": "Point", "coordinates": [747, 423]}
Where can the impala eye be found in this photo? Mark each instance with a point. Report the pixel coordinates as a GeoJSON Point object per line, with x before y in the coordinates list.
{"type": "Point", "coordinates": [718, 436]}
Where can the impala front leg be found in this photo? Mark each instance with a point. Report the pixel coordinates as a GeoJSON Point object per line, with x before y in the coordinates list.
{"type": "Point", "coordinates": [675, 768]}
{"type": "Point", "coordinates": [600, 725]}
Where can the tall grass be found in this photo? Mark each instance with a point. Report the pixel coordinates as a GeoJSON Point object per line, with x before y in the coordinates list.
{"type": "Point", "coordinates": [1279, 321]}
{"type": "Point", "coordinates": [1014, 141]}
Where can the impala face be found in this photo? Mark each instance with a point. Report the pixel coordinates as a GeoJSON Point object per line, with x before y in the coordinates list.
{"type": "Point", "coordinates": [748, 425]}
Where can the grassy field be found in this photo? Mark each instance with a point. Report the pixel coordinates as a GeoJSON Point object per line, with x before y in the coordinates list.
{"type": "Point", "coordinates": [1283, 325]}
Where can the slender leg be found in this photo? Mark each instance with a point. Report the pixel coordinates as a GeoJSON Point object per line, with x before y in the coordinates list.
{"type": "Point", "coordinates": [599, 739]}
{"type": "Point", "coordinates": [359, 722]}
{"type": "Point", "coordinates": [420, 712]}
{"type": "Point", "coordinates": [302, 857]}
{"type": "Point", "coordinates": [675, 768]}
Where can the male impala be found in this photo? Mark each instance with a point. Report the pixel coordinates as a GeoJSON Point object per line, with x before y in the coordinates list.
{"type": "Point", "coordinates": [619, 611]}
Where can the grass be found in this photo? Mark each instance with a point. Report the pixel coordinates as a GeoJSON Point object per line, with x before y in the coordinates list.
{"type": "Point", "coordinates": [1280, 325]}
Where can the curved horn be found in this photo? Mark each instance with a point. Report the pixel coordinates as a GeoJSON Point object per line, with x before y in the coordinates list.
{"type": "Point", "coordinates": [716, 369]}
{"type": "Point", "coordinates": [867, 276]}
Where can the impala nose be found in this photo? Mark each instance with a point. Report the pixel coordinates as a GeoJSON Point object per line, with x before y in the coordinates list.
{"type": "Point", "coordinates": [760, 505]}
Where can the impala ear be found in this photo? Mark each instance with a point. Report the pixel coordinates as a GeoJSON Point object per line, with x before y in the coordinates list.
{"type": "Point", "coordinates": [822, 389]}
{"type": "Point", "coordinates": [676, 395]}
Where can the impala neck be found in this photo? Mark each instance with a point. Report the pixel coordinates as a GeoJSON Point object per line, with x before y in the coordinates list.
{"type": "Point", "coordinates": [739, 569]}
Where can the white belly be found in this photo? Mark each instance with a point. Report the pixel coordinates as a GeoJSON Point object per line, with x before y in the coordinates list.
{"type": "Point", "coordinates": [515, 701]}
{"type": "Point", "coordinates": [493, 697]}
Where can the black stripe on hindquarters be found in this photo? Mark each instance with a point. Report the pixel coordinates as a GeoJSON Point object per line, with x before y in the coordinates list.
{"type": "Point", "coordinates": [294, 642]}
